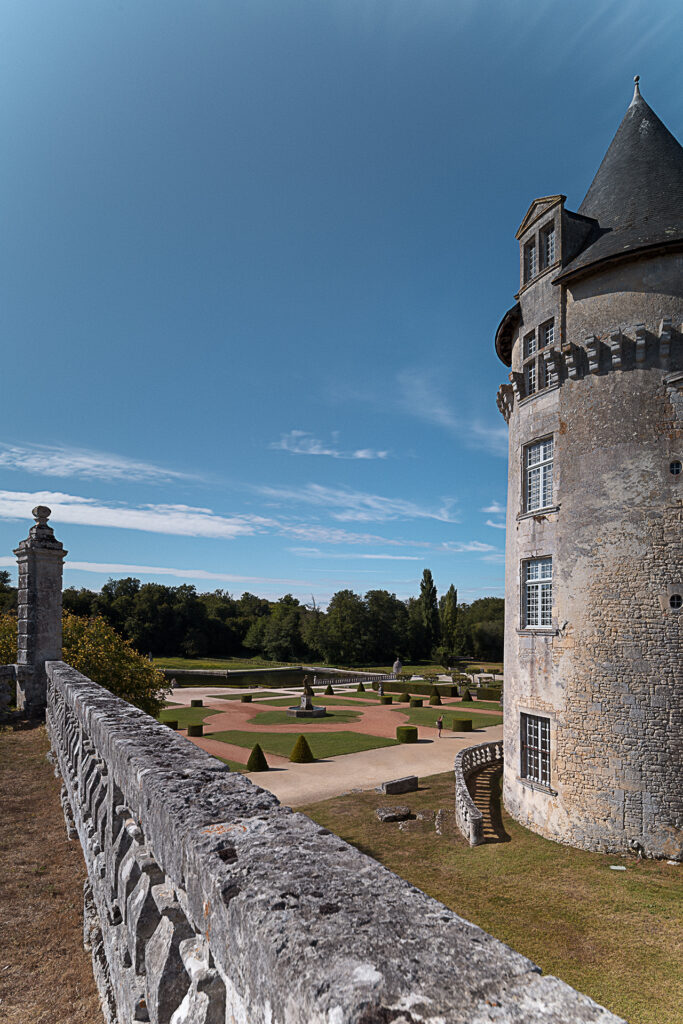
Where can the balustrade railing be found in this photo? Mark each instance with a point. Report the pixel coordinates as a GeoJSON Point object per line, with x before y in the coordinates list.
{"type": "Point", "coordinates": [468, 762]}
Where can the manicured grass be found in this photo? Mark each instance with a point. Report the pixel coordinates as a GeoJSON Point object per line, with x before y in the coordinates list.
{"type": "Point", "coordinates": [323, 744]}
{"type": "Point", "coordinates": [221, 663]}
{"type": "Point", "coordinates": [494, 705]}
{"type": "Point", "coordinates": [238, 696]}
{"type": "Point", "coordinates": [234, 766]}
{"type": "Point", "coordinates": [282, 718]}
{"type": "Point", "coordinates": [429, 715]}
{"type": "Point", "coordinates": [185, 716]}
{"type": "Point", "coordinates": [614, 935]}
{"type": "Point", "coordinates": [290, 702]}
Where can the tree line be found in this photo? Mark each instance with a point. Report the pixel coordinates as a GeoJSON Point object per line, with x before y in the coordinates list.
{"type": "Point", "coordinates": [354, 630]}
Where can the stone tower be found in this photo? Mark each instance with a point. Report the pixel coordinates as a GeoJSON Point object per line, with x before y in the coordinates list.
{"type": "Point", "coordinates": [594, 557]}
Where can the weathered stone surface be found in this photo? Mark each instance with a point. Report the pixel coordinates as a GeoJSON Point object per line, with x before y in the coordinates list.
{"type": "Point", "coordinates": [393, 813]}
{"type": "Point", "coordinates": [408, 784]}
{"type": "Point", "coordinates": [39, 611]}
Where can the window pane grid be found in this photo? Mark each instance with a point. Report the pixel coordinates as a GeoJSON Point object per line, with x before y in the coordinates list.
{"type": "Point", "coordinates": [529, 345]}
{"type": "Point", "coordinates": [547, 334]}
{"type": "Point", "coordinates": [539, 475]}
{"type": "Point", "coordinates": [530, 374]}
{"type": "Point", "coordinates": [538, 592]}
{"type": "Point", "coordinates": [549, 246]}
{"type": "Point", "coordinates": [535, 749]}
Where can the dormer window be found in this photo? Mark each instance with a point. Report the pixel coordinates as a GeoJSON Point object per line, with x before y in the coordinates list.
{"type": "Point", "coordinates": [548, 246]}
{"type": "Point", "coordinates": [530, 260]}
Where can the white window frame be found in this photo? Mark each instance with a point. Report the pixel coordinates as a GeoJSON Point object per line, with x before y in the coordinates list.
{"type": "Point", "coordinates": [537, 593]}
{"type": "Point", "coordinates": [534, 748]}
{"type": "Point", "coordinates": [530, 260]}
{"type": "Point", "coordinates": [538, 474]}
{"type": "Point", "coordinates": [546, 334]}
{"type": "Point", "coordinates": [548, 244]}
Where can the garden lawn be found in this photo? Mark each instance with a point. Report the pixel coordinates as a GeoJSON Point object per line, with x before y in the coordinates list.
{"type": "Point", "coordinates": [234, 766]}
{"type": "Point", "coordinates": [323, 744]}
{"type": "Point", "coordinates": [615, 935]}
{"type": "Point", "coordinates": [493, 705]}
{"type": "Point", "coordinates": [282, 718]}
{"type": "Point", "coordinates": [238, 696]}
{"type": "Point", "coordinates": [429, 715]}
{"type": "Point", "coordinates": [185, 716]}
{"type": "Point", "coordinates": [221, 663]}
{"type": "Point", "coordinates": [289, 702]}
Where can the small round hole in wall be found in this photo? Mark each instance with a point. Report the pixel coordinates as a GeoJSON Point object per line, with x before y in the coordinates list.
{"type": "Point", "coordinates": [675, 467]}
{"type": "Point", "coordinates": [676, 601]}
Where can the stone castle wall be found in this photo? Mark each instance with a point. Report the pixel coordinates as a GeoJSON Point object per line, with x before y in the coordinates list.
{"type": "Point", "coordinates": [609, 673]}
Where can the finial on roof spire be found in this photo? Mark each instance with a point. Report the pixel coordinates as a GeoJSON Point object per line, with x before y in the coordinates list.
{"type": "Point", "coordinates": [636, 91]}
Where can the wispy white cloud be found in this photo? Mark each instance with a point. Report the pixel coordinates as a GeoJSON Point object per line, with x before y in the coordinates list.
{"type": "Point", "coordinates": [317, 553]}
{"type": "Point", "coordinates": [118, 569]}
{"type": "Point", "coordinates": [496, 526]}
{"type": "Point", "coordinates": [494, 509]}
{"type": "Point", "coordinates": [181, 520]}
{"type": "Point", "coordinates": [458, 547]}
{"type": "Point", "coordinates": [357, 506]}
{"type": "Point", "coordinates": [79, 462]}
{"type": "Point", "coordinates": [300, 442]}
{"type": "Point", "coordinates": [420, 395]}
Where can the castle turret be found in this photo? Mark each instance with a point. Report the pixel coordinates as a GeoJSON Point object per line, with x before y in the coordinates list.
{"type": "Point", "coordinates": [594, 555]}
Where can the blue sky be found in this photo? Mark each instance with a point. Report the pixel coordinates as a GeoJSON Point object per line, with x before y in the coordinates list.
{"type": "Point", "coordinates": [253, 258]}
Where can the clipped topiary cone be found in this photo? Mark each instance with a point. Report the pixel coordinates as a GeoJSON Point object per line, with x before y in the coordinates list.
{"type": "Point", "coordinates": [329, 691]}
{"type": "Point", "coordinates": [257, 760]}
{"type": "Point", "coordinates": [361, 688]}
{"type": "Point", "coordinates": [466, 695]}
{"type": "Point", "coordinates": [301, 752]}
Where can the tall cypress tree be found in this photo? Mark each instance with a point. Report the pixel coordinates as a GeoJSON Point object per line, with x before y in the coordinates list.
{"type": "Point", "coordinates": [430, 610]}
{"type": "Point", "coordinates": [448, 608]}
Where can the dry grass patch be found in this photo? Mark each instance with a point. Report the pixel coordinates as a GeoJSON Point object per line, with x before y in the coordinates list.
{"type": "Point", "coordinates": [45, 974]}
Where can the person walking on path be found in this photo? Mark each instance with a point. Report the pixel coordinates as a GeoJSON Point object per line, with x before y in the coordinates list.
{"type": "Point", "coordinates": [439, 724]}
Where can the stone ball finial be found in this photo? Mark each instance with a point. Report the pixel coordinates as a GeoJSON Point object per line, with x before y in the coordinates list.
{"type": "Point", "coordinates": [41, 514]}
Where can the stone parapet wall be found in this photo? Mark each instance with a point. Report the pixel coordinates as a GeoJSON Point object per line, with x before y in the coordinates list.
{"type": "Point", "coordinates": [207, 902]}
{"type": "Point", "coordinates": [468, 817]}
{"type": "Point", "coordinates": [8, 676]}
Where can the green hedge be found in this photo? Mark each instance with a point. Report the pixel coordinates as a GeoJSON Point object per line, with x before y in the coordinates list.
{"type": "Point", "coordinates": [489, 693]}
{"type": "Point", "coordinates": [257, 760]}
{"type": "Point", "coordinates": [195, 730]}
{"type": "Point", "coordinates": [329, 691]}
{"type": "Point", "coordinates": [361, 688]}
{"type": "Point", "coordinates": [425, 688]}
{"type": "Point", "coordinates": [386, 699]}
{"type": "Point", "coordinates": [245, 698]}
{"type": "Point", "coordinates": [435, 699]}
{"type": "Point", "coordinates": [461, 725]}
{"type": "Point", "coordinates": [172, 723]}
{"type": "Point", "coordinates": [406, 733]}
{"type": "Point", "coordinates": [416, 702]}
{"type": "Point", "coordinates": [197, 703]}
{"type": "Point", "coordinates": [301, 752]}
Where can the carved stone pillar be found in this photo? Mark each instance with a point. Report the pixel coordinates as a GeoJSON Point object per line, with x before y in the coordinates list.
{"type": "Point", "coordinates": [39, 611]}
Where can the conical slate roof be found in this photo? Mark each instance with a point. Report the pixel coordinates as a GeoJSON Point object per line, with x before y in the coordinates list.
{"type": "Point", "coordinates": [637, 195]}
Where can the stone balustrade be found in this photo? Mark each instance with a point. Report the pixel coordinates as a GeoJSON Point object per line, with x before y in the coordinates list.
{"type": "Point", "coordinates": [468, 817]}
{"type": "Point", "coordinates": [207, 902]}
